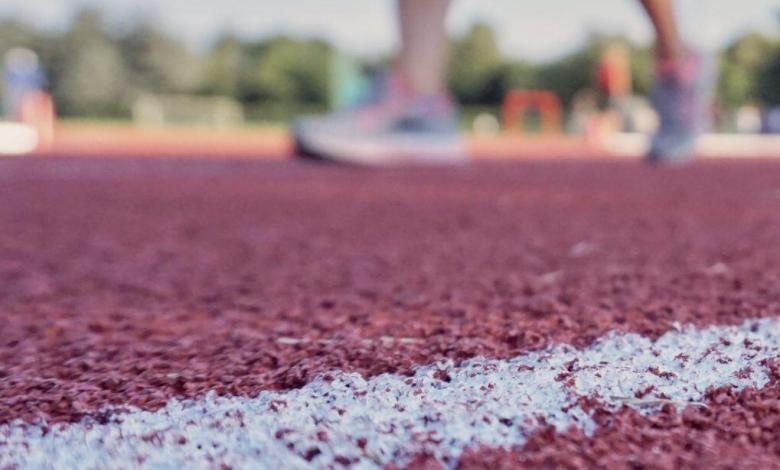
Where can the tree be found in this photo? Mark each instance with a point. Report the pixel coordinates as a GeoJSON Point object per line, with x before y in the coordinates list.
{"type": "Point", "coordinates": [88, 70]}
{"type": "Point", "coordinates": [223, 67]}
{"type": "Point", "coordinates": [157, 62]}
{"type": "Point", "coordinates": [574, 71]}
{"type": "Point", "coordinates": [476, 66]}
{"type": "Point", "coordinates": [642, 70]}
{"type": "Point", "coordinates": [741, 64]}
{"type": "Point", "coordinates": [768, 80]}
{"type": "Point", "coordinates": [516, 75]}
{"type": "Point", "coordinates": [17, 34]}
{"type": "Point", "coordinates": [286, 70]}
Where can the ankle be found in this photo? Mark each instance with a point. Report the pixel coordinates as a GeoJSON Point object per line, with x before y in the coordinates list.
{"type": "Point", "coordinates": [679, 65]}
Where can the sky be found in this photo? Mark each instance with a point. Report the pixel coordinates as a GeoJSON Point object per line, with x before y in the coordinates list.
{"type": "Point", "coordinates": [532, 29]}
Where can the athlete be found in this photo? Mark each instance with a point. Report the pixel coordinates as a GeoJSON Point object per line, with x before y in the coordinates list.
{"type": "Point", "coordinates": [415, 119]}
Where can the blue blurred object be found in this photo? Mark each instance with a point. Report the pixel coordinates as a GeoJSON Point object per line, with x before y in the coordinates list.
{"type": "Point", "coordinates": [22, 76]}
{"type": "Point", "coordinates": [772, 121]}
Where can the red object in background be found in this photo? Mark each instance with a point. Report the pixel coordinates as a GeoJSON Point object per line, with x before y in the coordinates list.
{"type": "Point", "coordinates": [38, 110]}
{"type": "Point", "coordinates": [518, 102]}
{"type": "Point", "coordinates": [614, 72]}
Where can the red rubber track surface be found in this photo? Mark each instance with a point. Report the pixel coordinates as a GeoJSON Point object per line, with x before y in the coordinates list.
{"type": "Point", "coordinates": [134, 281]}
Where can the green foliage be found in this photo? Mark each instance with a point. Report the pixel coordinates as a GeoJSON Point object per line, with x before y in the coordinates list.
{"type": "Point", "coordinates": [768, 80]}
{"type": "Point", "coordinates": [642, 70]}
{"type": "Point", "coordinates": [479, 75]}
{"type": "Point", "coordinates": [285, 70]}
{"type": "Point", "coordinates": [519, 74]}
{"type": "Point", "coordinates": [476, 65]}
{"type": "Point", "coordinates": [158, 63]}
{"type": "Point", "coordinates": [741, 66]}
{"type": "Point", "coordinates": [570, 74]}
{"type": "Point", "coordinates": [87, 70]}
{"type": "Point", "coordinates": [222, 67]}
{"type": "Point", "coordinates": [17, 34]}
{"type": "Point", "coordinates": [94, 71]}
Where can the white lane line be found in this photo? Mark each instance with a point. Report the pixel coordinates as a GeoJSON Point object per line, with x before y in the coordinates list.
{"type": "Point", "coordinates": [441, 410]}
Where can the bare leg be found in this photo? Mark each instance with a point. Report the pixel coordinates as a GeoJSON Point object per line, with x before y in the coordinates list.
{"type": "Point", "coordinates": [669, 46]}
{"type": "Point", "coordinates": [422, 59]}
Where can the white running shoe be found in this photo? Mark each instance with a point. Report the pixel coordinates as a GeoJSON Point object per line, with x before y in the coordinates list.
{"type": "Point", "coordinates": [682, 99]}
{"type": "Point", "coordinates": [396, 131]}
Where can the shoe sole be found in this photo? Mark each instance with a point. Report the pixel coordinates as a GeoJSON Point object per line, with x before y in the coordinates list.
{"type": "Point", "coordinates": [381, 152]}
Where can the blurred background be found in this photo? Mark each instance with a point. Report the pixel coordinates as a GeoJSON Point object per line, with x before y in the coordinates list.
{"type": "Point", "coordinates": [128, 70]}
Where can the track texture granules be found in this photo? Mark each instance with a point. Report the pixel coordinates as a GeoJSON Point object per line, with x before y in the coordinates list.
{"type": "Point", "coordinates": [133, 282]}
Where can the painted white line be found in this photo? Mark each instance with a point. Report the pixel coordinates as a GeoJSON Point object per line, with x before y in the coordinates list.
{"type": "Point", "coordinates": [442, 409]}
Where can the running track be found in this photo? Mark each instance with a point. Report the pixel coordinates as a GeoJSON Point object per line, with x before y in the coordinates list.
{"type": "Point", "coordinates": [130, 285]}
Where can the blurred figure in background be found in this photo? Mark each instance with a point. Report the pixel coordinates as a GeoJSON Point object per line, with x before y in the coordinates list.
{"type": "Point", "coordinates": [416, 121]}
{"type": "Point", "coordinates": [22, 77]}
{"type": "Point", "coordinates": [25, 99]}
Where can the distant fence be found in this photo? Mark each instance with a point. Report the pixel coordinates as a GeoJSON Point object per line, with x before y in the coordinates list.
{"type": "Point", "coordinates": [151, 110]}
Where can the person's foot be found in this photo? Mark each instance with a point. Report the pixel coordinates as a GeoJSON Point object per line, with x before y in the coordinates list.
{"type": "Point", "coordinates": [681, 99]}
{"type": "Point", "coordinates": [395, 132]}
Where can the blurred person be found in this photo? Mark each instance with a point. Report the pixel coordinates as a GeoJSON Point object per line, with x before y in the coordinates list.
{"type": "Point", "coordinates": [415, 119]}
{"type": "Point", "coordinates": [771, 124]}
{"type": "Point", "coordinates": [23, 77]}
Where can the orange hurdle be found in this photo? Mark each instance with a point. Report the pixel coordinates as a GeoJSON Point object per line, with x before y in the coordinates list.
{"type": "Point", "coordinates": [518, 102]}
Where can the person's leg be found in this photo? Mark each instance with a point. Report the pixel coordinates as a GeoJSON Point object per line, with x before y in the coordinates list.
{"type": "Point", "coordinates": [422, 59]}
{"type": "Point", "coordinates": [669, 45]}
{"type": "Point", "coordinates": [682, 90]}
{"type": "Point", "coordinates": [413, 121]}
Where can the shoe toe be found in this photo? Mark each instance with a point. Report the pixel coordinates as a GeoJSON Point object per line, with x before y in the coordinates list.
{"type": "Point", "coordinates": [672, 149]}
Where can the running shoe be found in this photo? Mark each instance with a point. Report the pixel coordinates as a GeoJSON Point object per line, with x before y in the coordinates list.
{"type": "Point", "coordinates": [398, 130]}
{"type": "Point", "coordinates": [682, 99]}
